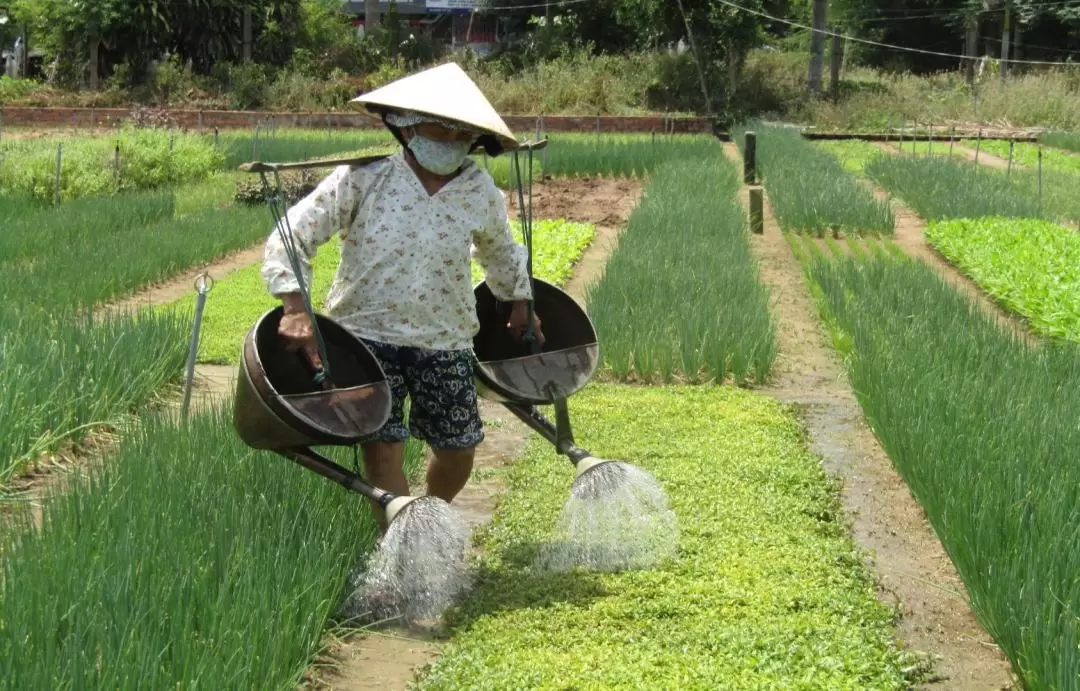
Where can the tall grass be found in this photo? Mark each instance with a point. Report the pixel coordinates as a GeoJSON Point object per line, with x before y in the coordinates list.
{"type": "Point", "coordinates": [64, 369]}
{"type": "Point", "coordinates": [292, 144]}
{"type": "Point", "coordinates": [187, 560]}
{"type": "Point", "coordinates": [119, 250]}
{"type": "Point", "coordinates": [938, 188]}
{"type": "Point", "coordinates": [809, 189]}
{"type": "Point", "coordinates": [62, 373]}
{"type": "Point", "coordinates": [680, 298]}
{"type": "Point", "coordinates": [38, 231]}
{"type": "Point", "coordinates": [625, 155]}
{"type": "Point", "coordinates": [982, 428]}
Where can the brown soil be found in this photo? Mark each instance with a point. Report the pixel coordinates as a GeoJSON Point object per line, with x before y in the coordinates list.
{"type": "Point", "coordinates": [390, 658]}
{"type": "Point", "coordinates": [914, 572]}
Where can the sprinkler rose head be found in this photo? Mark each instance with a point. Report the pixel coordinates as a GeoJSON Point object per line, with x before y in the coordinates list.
{"type": "Point", "coordinates": [586, 464]}
{"type": "Point", "coordinates": [396, 505]}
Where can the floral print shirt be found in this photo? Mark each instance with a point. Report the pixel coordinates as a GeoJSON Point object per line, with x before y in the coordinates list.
{"type": "Point", "coordinates": [405, 271]}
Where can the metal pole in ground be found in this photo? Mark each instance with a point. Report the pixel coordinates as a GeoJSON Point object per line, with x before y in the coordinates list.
{"type": "Point", "coordinates": [59, 163]}
{"type": "Point", "coordinates": [203, 285]}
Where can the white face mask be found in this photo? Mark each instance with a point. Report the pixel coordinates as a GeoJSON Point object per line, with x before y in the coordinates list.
{"type": "Point", "coordinates": [441, 158]}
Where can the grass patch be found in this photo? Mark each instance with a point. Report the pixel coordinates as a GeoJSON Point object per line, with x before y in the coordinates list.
{"type": "Point", "coordinates": [186, 560]}
{"type": "Point", "coordinates": [853, 154]}
{"type": "Point", "coordinates": [986, 447]}
{"type": "Point", "coordinates": [680, 298]}
{"type": "Point", "coordinates": [1030, 266]}
{"type": "Point", "coordinates": [237, 302]}
{"type": "Point", "coordinates": [1027, 154]}
{"type": "Point", "coordinates": [768, 591]}
{"type": "Point", "coordinates": [808, 188]}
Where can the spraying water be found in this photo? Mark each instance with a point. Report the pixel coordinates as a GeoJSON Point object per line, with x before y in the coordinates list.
{"type": "Point", "coordinates": [417, 570]}
{"type": "Point", "coordinates": [616, 518]}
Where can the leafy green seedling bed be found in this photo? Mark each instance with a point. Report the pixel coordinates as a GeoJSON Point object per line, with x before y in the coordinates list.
{"type": "Point", "coordinates": [1030, 266]}
{"type": "Point", "coordinates": [237, 301]}
{"type": "Point", "coordinates": [767, 590]}
{"type": "Point", "coordinates": [149, 159]}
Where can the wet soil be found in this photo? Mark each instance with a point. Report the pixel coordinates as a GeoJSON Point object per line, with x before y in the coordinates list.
{"type": "Point", "coordinates": [391, 657]}
{"type": "Point", "coordinates": [914, 572]}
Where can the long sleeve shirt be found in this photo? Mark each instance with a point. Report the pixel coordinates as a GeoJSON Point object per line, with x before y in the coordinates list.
{"type": "Point", "coordinates": [405, 273]}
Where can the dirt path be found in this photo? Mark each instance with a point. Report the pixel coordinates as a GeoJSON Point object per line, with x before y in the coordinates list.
{"type": "Point", "coordinates": [389, 659]}
{"type": "Point", "coordinates": [914, 572]}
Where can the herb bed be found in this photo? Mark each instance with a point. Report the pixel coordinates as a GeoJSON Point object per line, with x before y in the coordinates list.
{"type": "Point", "coordinates": [767, 590]}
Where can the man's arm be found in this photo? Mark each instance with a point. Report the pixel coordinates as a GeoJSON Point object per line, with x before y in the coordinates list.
{"type": "Point", "coordinates": [313, 220]}
{"type": "Point", "coordinates": [503, 259]}
{"type": "Point", "coordinates": [506, 265]}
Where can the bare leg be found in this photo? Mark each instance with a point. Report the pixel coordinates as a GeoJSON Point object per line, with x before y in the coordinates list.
{"type": "Point", "coordinates": [383, 467]}
{"type": "Point", "coordinates": [449, 471]}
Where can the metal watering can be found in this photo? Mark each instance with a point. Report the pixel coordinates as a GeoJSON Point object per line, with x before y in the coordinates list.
{"type": "Point", "coordinates": [279, 407]}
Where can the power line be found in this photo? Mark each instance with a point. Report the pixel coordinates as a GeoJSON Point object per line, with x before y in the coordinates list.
{"type": "Point", "coordinates": [889, 45]}
{"type": "Point", "coordinates": [554, 4]}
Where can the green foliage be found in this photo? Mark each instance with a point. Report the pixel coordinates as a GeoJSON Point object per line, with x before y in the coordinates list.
{"type": "Point", "coordinates": [148, 158]}
{"type": "Point", "coordinates": [665, 309]}
{"type": "Point", "coordinates": [1027, 154]}
{"type": "Point", "coordinates": [12, 89]}
{"type": "Point", "coordinates": [238, 301]}
{"type": "Point", "coordinates": [941, 188]}
{"type": "Point", "coordinates": [118, 252]}
{"type": "Point", "coordinates": [808, 188]}
{"type": "Point", "coordinates": [170, 559]}
{"type": "Point", "coordinates": [767, 590]}
{"type": "Point", "coordinates": [1031, 266]}
{"type": "Point", "coordinates": [1070, 141]}
{"type": "Point", "coordinates": [982, 428]}
{"type": "Point", "coordinates": [621, 155]}
{"type": "Point", "coordinates": [295, 185]}
{"type": "Point", "coordinates": [853, 154]}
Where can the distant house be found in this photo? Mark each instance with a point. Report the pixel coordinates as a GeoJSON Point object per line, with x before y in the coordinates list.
{"type": "Point", "coordinates": [455, 22]}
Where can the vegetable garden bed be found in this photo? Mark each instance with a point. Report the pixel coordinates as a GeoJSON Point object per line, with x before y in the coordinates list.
{"type": "Point", "coordinates": [984, 447]}
{"type": "Point", "coordinates": [766, 591]}
{"type": "Point", "coordinates": [685, 248]}
{"type": "Point", "coordinates": [1028, 265]}
{"type": "Point", "coordinates": [809, 190]}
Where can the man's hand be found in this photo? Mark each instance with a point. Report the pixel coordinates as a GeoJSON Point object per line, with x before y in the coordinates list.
{"type": "Point", "coordinates": [519, 319]}
{"type": "Point", "coordinates": [296, 329]}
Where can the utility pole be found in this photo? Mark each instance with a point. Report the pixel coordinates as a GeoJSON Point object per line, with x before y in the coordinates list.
{"type": "Point", "coordinates": [247, 32]}
{"type": "Point", "coordinates": [817, 45]}
{"type": "Point", "coordinates": [371, 15]}
{"type": "Point", "coordinates": [1005, 32]}
{"type": "Point", "coordinates": [971, 46]}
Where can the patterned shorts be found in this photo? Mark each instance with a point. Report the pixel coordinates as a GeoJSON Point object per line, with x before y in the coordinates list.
{"type": "Point", "coordinates": [439, 383]}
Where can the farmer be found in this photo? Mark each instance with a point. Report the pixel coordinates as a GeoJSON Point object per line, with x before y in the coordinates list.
{"type": "Point", "coordinates": [409, 224]}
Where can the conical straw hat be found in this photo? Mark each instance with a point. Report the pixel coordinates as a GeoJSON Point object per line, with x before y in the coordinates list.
{"type": "Point", "coordinates": [444, 92]}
